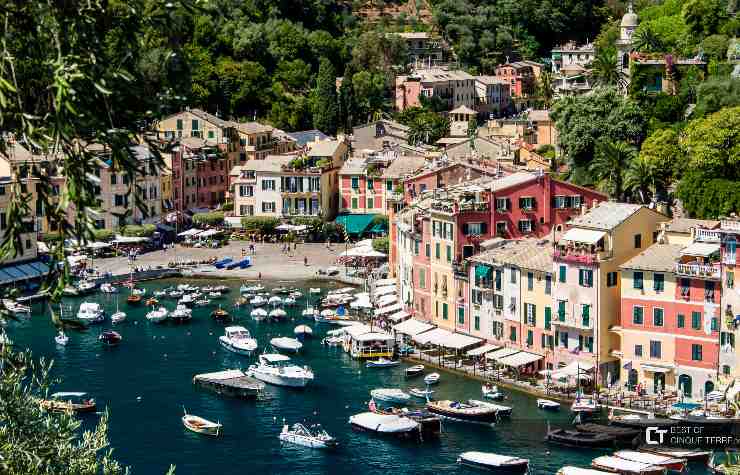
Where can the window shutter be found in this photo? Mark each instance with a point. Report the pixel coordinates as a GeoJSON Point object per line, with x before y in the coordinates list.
{"type": "Point", "coordinates": [465, 229]}
{"type": "Point", "coordinates": [580, 277]}
{"type": "Point", "coordinates": [534, 203]}
{"type": "Point", "coordinates": [508, 203]}
{"type": "Point", "coordinates": [483, 228]}
{"type": "Point", "coordinates": [521, 203]}
{"type": "Point", "coordinates": [534, 315]}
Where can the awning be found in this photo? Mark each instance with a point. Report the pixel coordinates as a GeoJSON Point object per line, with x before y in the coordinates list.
{"type": "Point", "coordinates": [398, 316]}
{"type": "Point", "coordinates": [209, 233]}
{"type": "Point", "coordinates": [573, 369]}
{"type": "Point", "coordinates": [481, 350]}
{"type": "Point", "coordinates": [19, 272]}
{"type": "Point", "coordinates": [520, 359]}
{"type": "Point", "coordinates": [447, 339]}
{"type": "Point", "coordinates": [389, 309]}
{"type": "Point", "coordinates": [386, 300]}
{"type": "Point", "coordinates": [373, 336]}
{"type": "Point", "coordinates": [382, 282]}
{"type": "Point", "coordinates": [431, 336]}
{"type": "Point", "coordinates": [190, 232]}
{"type": "Point", "coordinates": [483, 271]}
{"type": "Point", "coordinates": [390, 289]}
{"type": "Point", "coordinates": [587, 236]}
{"type": "Point", "coordinates": [656, 368]}
{"type": "Point", "coordinates": [501, 353]}
{"type": "Point", "coordinates": [129, 239]}
{"type": "Point", "coordinates": [412, 327]}
{"type": "Point", "coordinates": [356, 330]}
{"type": "Point", "coordinates": [700, 249]}
{"type": "Point", "coordinates": [355, 223]}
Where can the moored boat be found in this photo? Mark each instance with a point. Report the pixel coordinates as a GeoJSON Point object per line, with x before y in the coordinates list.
{"type": "Point", "coordinates": [238, 340]}
{"type": "Point", "coordinates": [431, 378]}
{"type": "Point", "coordinates": [672, 464]}
{"type": "Point", "coordinates": [572, 438]}
{"type": "Point", "coordinates": [110, 338]}
{"type": "Point", "coordinates": [463, 412]}
{"type": "Point", "coordinates": [313, 436]}
{"type": "Point", "coordinates": [220, 314]}
{"type": "Point", "coordinates": [622, 434]}
{"type": "Point", "coordinates": [118, 317]}
{"type": "Point", "coordinates": [151, 301]}
{"type": "Point", "coordinates": [14, 307]}
{"type": "Point", "coordinates": [570, 470]}
{"type": "Point", "coordinates": [422, 393]}
{"type": "Point", "coordinates": [385, 424]}
{"type": "Point", "coordinates": [303, 331]}
{"type": "Point", "coordinates": [502, 464]}
{"type": "Point", "coordinates": [158, 315]}
{"type": "Point", "coordinates": [382, 363]}
{"type": "Point", "coordinates": [69, 402]}
{"type": "Point", "coordinates": [277, 369]}
{"type": "Point", "coordinates": [390, 395]}
{"type": "Point", "coordinates": [200, 425]}
{"type": "Point", "coordinates": [626, 467]}
{"type": "Point", "coordinates": [181, 314]}
{"type": "Point", "coordinates": [258, 313]}
{"type": "Point", "coordinates": [491, 391]}
{"type": "Point", "coordinates": [501, 411]}
{"type": "Point", "coordinates": [108, 288]}
{"type": "Point", "coordinates": [278, 313]}
{"type": "Point", "coordinates": [286, 344]}
{"type": "Point", "coordinates": [90, 312]}
{"type": "Point", "coordinates": [584, 405]}
{"type": "Point", "coordinates": [414, 370]}
{"type": "Point", "coordinates": [258, 301]}
{"type": "Point", "coordinates": [61, 338]}
{"type": "Point", "coordinates": [133, 299]}
{"type": "Point", "coordinates": [548, 405]}
{"type": "Point", "coordinates": [692, 455]}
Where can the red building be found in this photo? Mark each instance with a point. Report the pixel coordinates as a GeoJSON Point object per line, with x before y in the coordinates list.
{"type": "Point", "coordinates": [200, 175]}
{"type": "Point", "coordinates": [521, 77]}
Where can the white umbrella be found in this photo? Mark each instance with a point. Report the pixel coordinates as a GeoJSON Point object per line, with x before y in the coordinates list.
{"type": "Point", "coordinates": [361, 303]}
{"type": "Point", "coordinates": [190, 232]}
{"type": "Point", "coordinates": [385, 291]}
{"type": "Point", "coordinates": [364, 243]}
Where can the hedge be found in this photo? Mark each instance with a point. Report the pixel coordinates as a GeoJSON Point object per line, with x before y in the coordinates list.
{"type": "Point", "coordinates": [213, 218]}
{"type": "Point", "coordinates": [133, 230]}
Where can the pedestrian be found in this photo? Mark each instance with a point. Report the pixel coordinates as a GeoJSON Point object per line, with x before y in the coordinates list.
{"type": "Point", "coordinates": [305, 260]}
{"type": "Point", "coordinates": [259, 275]}
{"type": "Point", "coordinates": [295, 245]}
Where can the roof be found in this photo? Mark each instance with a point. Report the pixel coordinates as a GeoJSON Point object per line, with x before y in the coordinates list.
{"type": "Point", "coordinates": [412, 327]}
{"type": "Point", "coordinates": [252, 128]}
{"type": "Point", "coordinates": [271, 163]}
{"type": "Point", "coordinates": [302, 137]}
{"type": "Point", "coordinates": [658, 258]}
{"type": "Point", "coordinates": [606, 215]}
{"type": "Point", "coordinates": [512, 180]}
{"type": "Point", "coordinates": [325, 148]}
{"type": "Point", "coordinates": [353, 166]}
{"type": "Point", "coordinates": [414, 35]}
{"type": "Point", "coordinates": [700, 249]}
{"type": "Point", "coordinates": [535, 254]}
{"type": "Point", "coordinates": [463, 109]}
{"type": "Point", "coordinates": [588, 236]}
{"type": "Point", "coordinates": [403, 165]}
{"type": "Point", "coordinates": [491, 80]}
{"type": "Point", "coordinates": [208, 117]}
{"type": "Point", "coordinates": [685, 225]}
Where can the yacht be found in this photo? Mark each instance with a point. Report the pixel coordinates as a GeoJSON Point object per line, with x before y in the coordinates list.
{"type": "Point", "coordinates": [238, 340]}
{"type": "Point", "coordinates": [275, 301]}
{"type": "Point", "coordinates": [278, 370]}
{"type": "Point", "coordinates": [85, 287]}
{"type": "Point", "coordinates": [286, 344]}
{"type": "Point", "coordinates": [157, 316]}
{"type": "Point", "coordinates": [90, 312]}
{"type": "Point", "coordinates": [181, 314]}
{"type": "Point", "coordinates": [108, 288]}
{"type": "Point", "coordinates": [258, 313]}
{"type": "Point", "coordinates": [258, 301]}
{"type": "Point", "coordinates": [187, 299]}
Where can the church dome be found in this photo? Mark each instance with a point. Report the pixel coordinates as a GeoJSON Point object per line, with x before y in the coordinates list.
{"type": "Point", "coordinates": [629, 20]}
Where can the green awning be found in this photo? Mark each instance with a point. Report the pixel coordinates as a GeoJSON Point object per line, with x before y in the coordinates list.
{"type": "Point", "coordinates": [483, 271]}
{"type": "Point", "coordinates": [355, 223]}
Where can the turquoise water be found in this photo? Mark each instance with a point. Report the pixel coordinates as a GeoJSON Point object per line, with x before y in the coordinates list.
{"type": "Point", "coordinates": [157, 364]}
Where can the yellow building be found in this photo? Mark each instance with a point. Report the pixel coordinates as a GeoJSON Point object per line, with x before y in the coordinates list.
{"type": "Point", "coordinates": [444, 290]}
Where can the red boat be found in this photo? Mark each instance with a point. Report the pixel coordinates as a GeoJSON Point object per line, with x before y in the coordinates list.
{"type": "Point", "coordinates": [110, 338]}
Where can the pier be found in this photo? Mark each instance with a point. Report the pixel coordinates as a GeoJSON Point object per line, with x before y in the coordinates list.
{"type": "Point", "coordinates": [231, 382]}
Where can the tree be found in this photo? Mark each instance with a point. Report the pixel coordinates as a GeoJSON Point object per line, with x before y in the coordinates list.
{"type": "Point", "coordinates": [707, 196]}
{"type": "Point", "coordinates": [381, 245]}
{"type": "Point", "coordinates": [703, 16]}
{"type": "Point", "coordinates": [325, 114]}
{"type": "Point", "coordinates": [640, 179]}
{"type": "Point", "coordinates": [646, 40]}
{"type": "Point", "coordinates": [261, 225]}
{"type": "Point", "coordinates": [213, 218]}
{"type": "Point", "coordinates": [605, 71]}
{"type": "Point", "coordinates": [609, 165]}
{"type": "Point", "coordinates": [427, 127]}
{"type": "Point", "coordinates": [715, 47]}
{"type": "Point", "coordinates": [664, 156]}
{"type": "Point", "coordinates": [545, 91]}
{"type": "Point", "coordinates": [716, 94]}
{"type": "Point", "coordinates": [712, 144]}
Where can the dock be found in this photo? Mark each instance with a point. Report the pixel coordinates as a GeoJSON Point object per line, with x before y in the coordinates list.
{"type": "Point", "coordinates": [231, 382]}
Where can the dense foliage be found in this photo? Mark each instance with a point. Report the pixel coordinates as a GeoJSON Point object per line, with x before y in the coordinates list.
{"type": "Point", "coordinates": [134, 230]}
{"type": "Point", "coordinates": [212, 218]}
{"type": "Point", "coordinates": [260, 225]}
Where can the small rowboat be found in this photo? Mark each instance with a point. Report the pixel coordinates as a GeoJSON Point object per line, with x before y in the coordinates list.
{"type": "Point", "coordinates": [414, 370]}
{"type": "Point", "coordinates": [421, 393]}
{"type": "Point", "coordinates": [491, 391]}
{"type": "Point", "coordinates": [69, 402]}
{"type": "Point", "coordinates": [626, 467]}
{"type": "Point", "coordinates": [548, 405]}
{"type": "Point", "coordinates": [431, 378]}
{"type": "Point", "coordinates": [495, 463]}
{"type": "Point", "coordinates": [201, 426]}
{"type": "Point", "coordinates": [672, 464]}
{"type": "Point", "coordinates": [382, 363]}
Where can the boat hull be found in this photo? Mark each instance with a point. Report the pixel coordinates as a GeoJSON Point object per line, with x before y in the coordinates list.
{"type": "Point", "coordinates": [509, 469]}
{"type": "Point", "coordinates": [289, 438]}
{"type": "Point", "coordinates": [459, 416]}
{"type": "Point", "coordinates": [278, 380]}
{"type": "Point", "coordinates": [235, 349]}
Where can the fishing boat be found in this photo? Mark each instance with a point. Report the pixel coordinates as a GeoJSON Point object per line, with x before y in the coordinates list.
{"type": "Point", "coordinates": [431, 378]}
{"type": "Point", "coordinates": [313, 436]}
{"type": "Point", "coordinates": [181, 314]}
{"type": "Point", "coordinates": [14, 307]}
{"type": "Point", "coordinates": [626, 467]}
{"type": "Point", "coordinates": [258, 301]}
{"type": "Point", "coordinates": [572, 438]}
{"type": "Point", "coordinates": [382, 363]}
{"type": "Point", "coordinates": [275, 301]}
{"type": "Point", "coordinates": [238, 340]}
{"type": "Point", "coordinates": [277, 369]}
{"type": "Point", "coordinates": [90, 312]}
{"type": "Point", "coordinates": [108, 288]}
{"type": "Point", "coordinates": [220, 314]}
{"type": "Point", "coordinates": [69, 402]}
{"type": "Point", "coordinates": [110, 338]}
{"type": "Point", "coordinates": [201, 426]}
{"type": "Point", "coordinates": [303, 332]}
{"type": "Point", "coordinates": [548, 405]}
{"type": "Point", "coordinates": [501, 411]}
{"type": "Point", "coordinates": [463, 412]}
{"type": "Point", "coordinates": [421, 393]}
{"type": "Point", "coordinates": [415, 370]}
{"type": "Point", "coordinates": [286, 344]}
{"type": "Point", "coordinates": [491, 391]}
{"type": "Point", "coordinates": [622, 434]}
{"type": "Point", "coordinates": [390, 395]}
{"type": "Point", "coordinates": [61, 338]}
{"type": "Point", "coordinates": [157, 315]}
{"type": "Point", "coordinates": [278, 313]}
{"type": "Point", "coordinates": [672, 464]}
{"type": "Point", "coordinates": [258, 313]}
{"type": "Point", "coordinates": [385, 424]}
{"type": "Point", "coordinates": [151, 301]}
{"type": "Point", "coordinates": [502, 464]}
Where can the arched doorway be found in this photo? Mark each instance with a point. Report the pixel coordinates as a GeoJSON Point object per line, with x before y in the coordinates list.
{"type": "Point", "coordinates": [632, 379]}
{"type": "Point", "coordinates": [684, 381]}
{"type": "Point", "coordinates": [658, 382]}
{"type": "Point", "coordinates": [708, 387]}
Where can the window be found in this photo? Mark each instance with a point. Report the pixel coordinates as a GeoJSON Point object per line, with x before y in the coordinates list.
{"type": "Point", "coordinates": [369, 183]}
{"type": "Point", "coordinates": [369, 203]}
{"type": "Point", "coordinates": [696, 352]}
{"type": "Point", "coordinates": [449, 253]}
{"type": "Point", "coordinates": [512, 334]}
{"type": "Point", "coordinates": [730, 279]}
{"type": "Point", "coordinates": [638, 350]}
{"type": "Point", "coordinates": [476, 323]}
{"type": "Point", "coordinates": [561, 310]}
{"type": "Point", "coordinates": [530, 337]}
{"type": "Point", "coordinates": [696, 320]}
{"type": "Point", "coordinates": [709, 291]}
{"type": "Point", "coordinates": [437, 252]}
{"type": "Point", "coordinates": [422, 278]}
{"type": "Point", "coordinates": [637, 280]}
{"type": "Point", "coordinates": [564, 339]}
{"type": "Point", "coordinates": [512, 276]}
{"type": "Point", "coordinates": [525, 225]}
{"type": "Point", "coordinates": [461, 315]}
{"type": "Point", "coordinates": [530, 311]}
{"type": "Point", "coordinates": [501, 228]}
{"type": "Point", "coordinates": [727, 339]}
{"type": "Point", "coordinates": [444, 311]}
{"type": "Point", "coordinates": [179, 124]}
{"type": "Point", "coordinates": [268, 185]}
{"type": "Point", "coordinates": [680, 320]}
{"type": "Point", "coordinates": [548, 284]}
{"type": "Point", "coordinates": [476, 296]}
{"type": "Point", "coordinates": [211, 134]}
{"type": "Point", "coordinates": [714, 324]}
{"type": "Point", "coordinates": [559, 202]}
{"type": "Point", "coordinates": [548, 317]}
{"type": "Point", "coordinates": [585, 277]}
{"type": "Point", "coordinates": [355, 182]}
{"type": "Point", "coordinates": [637, 314]}
{"type": "Point", "coordinates": [611, 279]}
{"type": "Point", "coordinates": [428, 250]}
{"type": "Point", "coordinates": [194, 124]}
{"type": "Point", "coordinates": [585, 314]}
{"type": "Point", "coordinates": [658, 317]}
{"type": "Point", "coordinates": [562, 273]}
{"type": "Point", "coordinates": [526, 202]}
{"type": "Point", "coordinates": [113, 179]}
{"type": "Point", "coordinates": [638, 241]}
{"type": "Point", "coordinates": [655, 349]}
{"type": "Point", "coordinates": [268, 206]}
{"type": "Point", "coordinates": [474, 229]}
{"type": "Point", "coordinates": [389, 185]}
{"type": "Point", "coordinates": [726, 370]}
{"type": "Point", "coordinates": [354, 203]}
{"type": "Point", "coordinates": [498, 279]}
{"type": "Point", "coordinates": [658, 282]}
{"type": "Point", "coordinates": [530, 280]}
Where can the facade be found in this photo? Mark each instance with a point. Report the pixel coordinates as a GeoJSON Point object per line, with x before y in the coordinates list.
{"type": "Point", "coordinates": [198, 175]}
{"type": "Point", "coordinates": [492, 95]}
{"type": "Point", "coordinates": [728, 235]}
{"type": "Point", "coordinates": [422, 47]}
{"type": "Point", "coordinates": [454, 87]}
{"type": "Point", "coordinates": [569, 54]}
{"type": "Point", "coordinates": [521, 77]}
{"type": "Point", "coordinates": [542, 128]}
{"type": "Point", "coordinates": [28, 249]}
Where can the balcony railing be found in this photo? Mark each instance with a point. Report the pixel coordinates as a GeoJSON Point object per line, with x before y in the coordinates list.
{"type": "Point", "coordinates": [573, 321]}
{"type": "Point", "coordinates": [393, 196]}
{"type": "Point", "coordinates": [729, 258]}
{"type": "Point", "coordinates": [698, 270]}
{"type": "Point", "coordinates": [581, 257]}
{"type": "Point", "coordinates": [730, 225]}
{"type": "Point", "coordinates": [482, 206]}
{"type": "Point", "coordinates": [708, 235]}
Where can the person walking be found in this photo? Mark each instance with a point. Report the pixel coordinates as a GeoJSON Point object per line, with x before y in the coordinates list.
{"type": "Point", "coordinates": [305, 261]}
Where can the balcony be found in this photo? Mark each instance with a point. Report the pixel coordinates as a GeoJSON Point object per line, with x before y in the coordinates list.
{"type": "Point", "coordinates": [460, 269]}
{"type": "Point", "coordinates": [708, 235]}
{"type": "Point", "coordinates": [393, 196]}
{"type": "Point", "coordinates": [729, 258]}
{"type": "Point", "coordinates": [573, 321]}
{"type": "Point", "coordinates": [701, 271]}
{"type": "Point", "coordinates": [730, 225]}
{"type": "Point", "coordinates": [581, 257]}
{"type": "Point", "coordinates": [479, 207]}
{"type": "Point", "coordinates": [446, 207]}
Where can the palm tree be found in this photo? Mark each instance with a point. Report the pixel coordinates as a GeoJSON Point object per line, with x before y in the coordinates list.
{"type": "Point", "coordinates": [544, 89]}
{"type": "Point", "coordinates": [605, 71]}
{"type": "Point", "coordinates": [609, 165]}
{"type": "Point", "coordinates": [646, 41]}
{"type": "Point", "coordinates": [640, 178]}
{"type": "Point", "coordinates": [419, 131]}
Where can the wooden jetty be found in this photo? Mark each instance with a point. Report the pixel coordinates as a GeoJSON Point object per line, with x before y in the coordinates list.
{"type": "Point", "coordinates": [231, 382]}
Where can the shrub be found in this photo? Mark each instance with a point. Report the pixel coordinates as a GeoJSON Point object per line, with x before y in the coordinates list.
{"type": "Point", "coordinates": [103, 234]}
{"type": "Point", "coordinates": [228, 206]}
{"type": "Point", "coordinates": [260, 225]}
{"type": "Point", "coordinates": [133, 230]}
{"type": "Point", "coordinates": [213, 218]}
{"type": "Point", "coordinates": [51, 237]}
{"type": "Point", "coordinates": [381, 245]}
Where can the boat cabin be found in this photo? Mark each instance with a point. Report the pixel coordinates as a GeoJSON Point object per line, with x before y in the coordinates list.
{"type": "Point", "coordinates": [363, 343]}
{"type": "Point", "coordinates": [275, 360]}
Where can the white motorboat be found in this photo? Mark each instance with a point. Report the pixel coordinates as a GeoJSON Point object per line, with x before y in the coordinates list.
{"type": "Point", "coordinates": [571, 470]}
{"type": "Point", "coordinates": [491, 391]}
{"type": "Point", "coordinates": [70, 291]}
{"type": "Point", "coordinates": [501, 411]}
{"type": "Point", "coordinates": [382, 363]}
{"type": "Point", "coordinates": [201, 426]}
{"type": "Point", "coordinates": [495, 463]}
{"type": "Point", "coordinates": [187, 299]}
{"type": "Point", "coordinates": [278, 313]}
{"type": "Point", "coordinates": [118, 317]}
{"type": "Point", "coordinates": [139, 292]}
{"type": "Point", "coordinates": [202, 302]}
{"type": "Point", "coordinates": [86, 287]}
{"type": "Point", "coordinates": [431, 378]}
{"type": "Point", "coordinates": [255, 288]}
{"type": "Point", "coordinates": [278, 370]}
{"type": "Point", "coordinates": [90, 312]}
{"type": "Point", "coordinates": [244, 289]}
{"type": "Point", "coordinates": [215, 295]}
{"type": "Point", "coordinates": [61, 339]}
{"type": "Point", "coordinates": [289, 301]}
{"type": "Point", "coordinates": [548, 405]}
{"type": "Point", "coordinates": [422, 393]}
{"type": "Point", "coordinates": [238, 340]}
{"type": "Point", "coordinates": [176, 294]}
{"type": "Point", "coordinates": [275, 301]}
{"type": "Point", "coordinates": [303, 331]}
{"type": "Point", "coordinates": [181, 314]}
{"type": "Point", "coordinates": [584, 404]}
{"type": "Point", "coordinates": [160, 293]}
{"type": "Point", "coordinates": [314, 290]}
{"type": "Point", "coordinates": [385, 424]}
{"type": "Point", "coordinates": [313, 436]}
{"type": "Point", "coordinates": [286, 344]}
{"type": "Point", "coordinates": [258, 313]}
{"type": "Point", "coordinates": [390, 395]}
{"type": "Point", "coordinates": [296, 294]}
{"type": "Point", "coordinates": [14, 307]}
{"type": "Point", "coordinates": [309, 312]}
{"type": "Point", "coordinates": [258, 301]}
{"type": "Point", "coordinates": [187, 287]}
{"type": "Point", "coordinates": [414, 370]}
{"type": "Point", "coordinates": [157, 316]}
{"type": "Point", "coordinates": [332, 341]}
{"type": "Point", "coordinates": [108, 288]}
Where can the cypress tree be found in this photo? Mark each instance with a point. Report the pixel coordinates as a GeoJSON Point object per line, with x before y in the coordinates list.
{"type": "Point", "coordinates": [325, 114]}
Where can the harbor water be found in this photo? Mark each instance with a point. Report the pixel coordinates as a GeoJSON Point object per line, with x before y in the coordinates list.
{"type": "Point", "coordinates": [147, 381]}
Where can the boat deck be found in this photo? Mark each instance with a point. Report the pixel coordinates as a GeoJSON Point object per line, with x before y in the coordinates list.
{"type": "Point", "coordinates": [231, 382]}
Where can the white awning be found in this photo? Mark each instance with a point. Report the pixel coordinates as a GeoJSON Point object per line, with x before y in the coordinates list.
{"type": "Point", "coordinates": [209, 233]}
{"type": "Point", "coordinates": [390, 289]}
{"type": "Point", "coordinates": [389, 309]}
{"type": "Point", "coordinates": [356, 330]}
{"type": "Point", "coordinates": [520, 359]}
{"type": "Point", "coordinates": [458, 341]}
{"type": "Point", "coordinates": [481, 350]}
{"type": "Point", "coordinates": [588, 236]}
{"type": "Point", "coordinates": [129, 239]}
{"type": "Point", "coordinates": [373, 336]}
{"type": "Point", "coordinates": [573, 369]}
{"type": "Point", "coordinates": [701, 249]}
{"type": "Point", "coordinates": [656, 368]}
{"type": "Point", "coordinates": [412, 327]}
{"type": "Point", "coordinates": [431, 336]}
{"type": "Point", "coordinates": [501, 353]}
{"type": "Point", "coordinates": [387, 300]}
{"type": "Point", "coordinates": [398, 316]}
{"type": "Point", "coordinates": [190, 232]}
{"type": "Point", "coordinates": [382, 282]}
